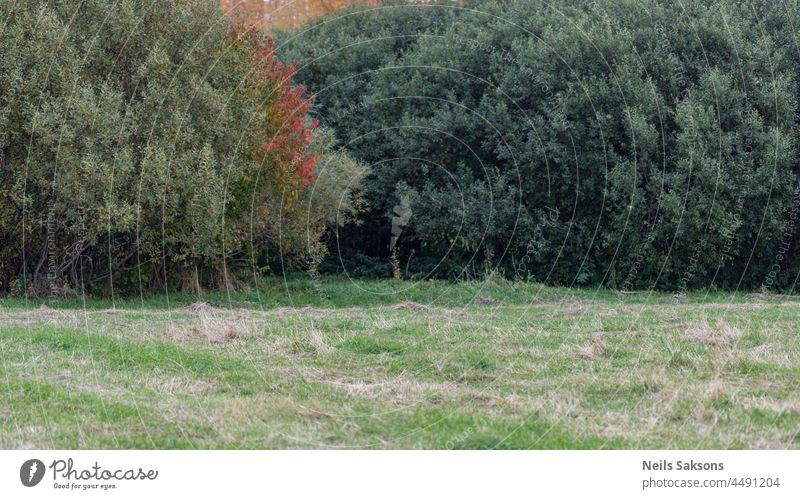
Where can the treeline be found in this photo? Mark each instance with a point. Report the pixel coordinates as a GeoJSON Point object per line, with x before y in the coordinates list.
{"type": "Point", "coordinates": [634, 143]}
{"type": "Point", "coordinates": [151, 143]}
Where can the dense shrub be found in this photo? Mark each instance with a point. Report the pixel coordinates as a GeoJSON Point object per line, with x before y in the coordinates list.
{"type": "Point", "coordinates": [631, 143]}
{"type": "Point", "coordinates": [148, 142]}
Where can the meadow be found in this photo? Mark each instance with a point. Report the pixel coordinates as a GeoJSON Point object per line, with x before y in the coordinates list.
{"type": "Point", "coordinates": [331, 363]}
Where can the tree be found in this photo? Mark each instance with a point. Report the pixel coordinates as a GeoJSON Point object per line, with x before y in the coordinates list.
{"type": "Point", "coordinates": [142, 143]}
{"type": "Point", "coordinates": [632, 144]}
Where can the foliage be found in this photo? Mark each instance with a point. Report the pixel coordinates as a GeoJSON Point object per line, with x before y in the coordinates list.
{"type": "Point", "coordinates": [632, 144]}
{"type": "Point", "coordinates": [144, 143]}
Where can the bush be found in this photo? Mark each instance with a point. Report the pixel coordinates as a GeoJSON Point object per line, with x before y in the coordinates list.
{"type": "Point", "coordinates": [631, 144]}
{"type": "Point", "coordinates": [146, 143]}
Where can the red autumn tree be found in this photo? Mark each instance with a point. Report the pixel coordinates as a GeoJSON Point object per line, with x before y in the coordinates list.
{"type": "Point", "coordinates": [284, 129]}
{"type": "Point", "coordinates": [288, 130]}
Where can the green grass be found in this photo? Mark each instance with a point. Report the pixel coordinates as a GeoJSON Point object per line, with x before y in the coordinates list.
{"type": "Point", "coordinates": [331, 363]}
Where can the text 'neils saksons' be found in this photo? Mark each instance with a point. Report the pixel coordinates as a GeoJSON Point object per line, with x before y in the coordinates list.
{"type": "Point", "coordinates": [664, 465]}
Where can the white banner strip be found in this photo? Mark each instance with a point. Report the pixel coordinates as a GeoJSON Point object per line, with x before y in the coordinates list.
{"type": "Point", "coordinates": [382, 474]}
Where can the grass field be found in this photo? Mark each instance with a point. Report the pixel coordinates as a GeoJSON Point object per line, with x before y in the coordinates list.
{"type": "Point", "coordinates": [384, 364]}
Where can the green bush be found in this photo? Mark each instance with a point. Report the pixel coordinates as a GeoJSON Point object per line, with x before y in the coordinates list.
{"type": "Point", "coordinates": [626, 143]}
{"type": "Point", "coordinates": [132, 149]}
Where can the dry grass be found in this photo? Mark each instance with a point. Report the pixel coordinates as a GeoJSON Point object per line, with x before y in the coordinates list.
{"type": "Point", "coordinates": [398, 390]}
{"type": "Point", "coordinates": [199, 307]}
{"type": "Point", "coordinates": [598, 349]}
{"type": "Point", "coordinates": [718, 335]}
{"type": "Point", "coordinates": [410, 305]}
{"type": "Point", "coordinates": [217, 326]}
{"type": "Point", "coordinates": [318, 343]}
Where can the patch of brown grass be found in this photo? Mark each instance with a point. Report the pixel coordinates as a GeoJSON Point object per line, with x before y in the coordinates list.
{"type": "Point", "coordinates": [773, 296]}
{"type": "Point", "coordinates": [598, 349]}
{"type": "Point", "coordinates": [766, 347]}
{"type": "Point", "coordinates": [308, 343]}
{"type": "Point", "coordinates": [410, 305]}
{"type": "Point", "coordinates": [654, 378]}
{"type": "Point", "coordinates": [312, 413]}
{"type": "Point", "coordinates": [402, 390]}
{"type": "Point", "coordinates": [179, 386]}
{"type": "Point", "coordinates": [199, 307]}
{"type": "Point", "coordinates": [214, 328]}
{"type": "Point", "coordinates": [317, 341]}
{"type": "Point", "coordinates": [718, 335]}
{"type": "Point", "coordinates": [564, 311]}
